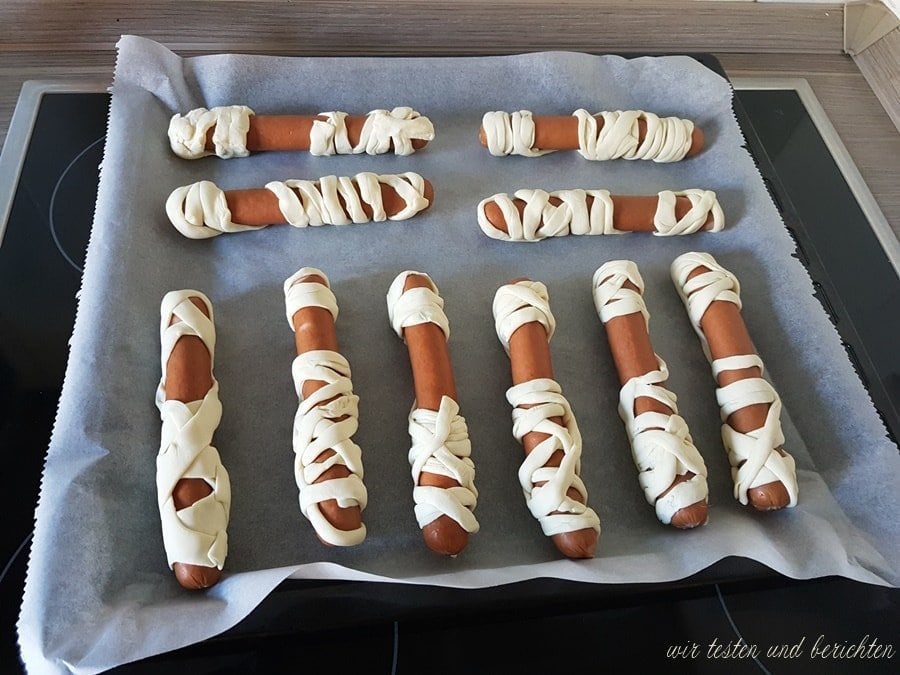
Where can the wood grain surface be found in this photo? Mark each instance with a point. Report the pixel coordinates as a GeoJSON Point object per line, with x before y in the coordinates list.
{"type": "Point", "coordinates": [423, 27]}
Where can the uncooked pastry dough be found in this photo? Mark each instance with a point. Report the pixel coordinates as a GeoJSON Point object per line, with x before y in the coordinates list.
{"type": "Point", "coordinates": [515, 305]}
{"type": "Point", "coordinates": [195, 535]}
{"type": "Point", "coordinates": [383, 129]}
{"type": "Point", "coordinates": [317, 426]}
{"type": "Point", "coordinates": [510, 133]}
{"type": "Point", "coordinates": [187, 133]}
{"type": "Point", "coordinates": [668, 139]}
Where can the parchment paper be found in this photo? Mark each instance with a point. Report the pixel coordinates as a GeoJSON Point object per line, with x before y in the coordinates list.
{"type": "Point", "coordinates": [99, 592]}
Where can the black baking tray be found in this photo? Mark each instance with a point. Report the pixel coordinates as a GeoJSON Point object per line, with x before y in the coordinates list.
{"type": "Point", "coordinates": [300, 607]}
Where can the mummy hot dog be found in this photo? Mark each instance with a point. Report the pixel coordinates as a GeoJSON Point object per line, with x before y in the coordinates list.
{"type": "Point", "coordinates": [202, 210]}
{"type": "Point", "coordinates": [193, 490]}
{"type": "Point", "coordinates": [236, 131]}
{"type": "Point", "coordinates": [672, 472]}
{"type": "Point", "coordinates": [328, 464]}
{"type": "Point", "coordinates": [442, 469]}
{"type": "Point", "coordinates": [620, 134]}
{"type": "Point", "coordinates": [543, 421]}
{"type": "Point", "coordinates": [764, 474]}
{"type": "Point", "coordinates": [533, 215]}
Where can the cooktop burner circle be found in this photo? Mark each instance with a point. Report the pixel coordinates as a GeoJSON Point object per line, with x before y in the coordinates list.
{"type": "Point", "coordinates": [71, 237]}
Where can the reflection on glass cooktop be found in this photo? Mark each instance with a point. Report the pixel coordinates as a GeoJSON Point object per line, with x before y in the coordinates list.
{"type": "Point", "coordinates": [41, 257]}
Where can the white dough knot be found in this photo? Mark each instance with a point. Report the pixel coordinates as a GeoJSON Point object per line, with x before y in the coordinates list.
{"type": "Point", "coordinates": [510, 133]}
{"type": "Point", "coordinates": [199, 211]}
{"type": "Point", "coordinates": [699, 292]}
{"type": "Point", "coordinates": [440, 445]}
{"type": "Point", "coordinates": [667, 139]}
{"type": "Point", "coordinates": [612, 297]}
{"type": "Point", "coordinates": [415, 306]}
{"type": "Point", "coordinates": [754, 456]}
{"type": "Point", "coordinates": [382, 131]}
{"type": "Point", "coordinates": [549, 503]}
{"type": "Point", "coordinates": [187, 133]}
{"type": "Point", "coordinates": [703, 205]}
{"type": "Point", "coordinates": [519, 303]}
{"type": "Point", "coordinates": [299, 294]}
{"type": "Point", "coordinates": [326, 419]}
{"type": "Point", "coordinates": [195, 535]}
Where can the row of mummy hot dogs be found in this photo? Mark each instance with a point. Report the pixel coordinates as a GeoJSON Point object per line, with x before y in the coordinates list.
{"type": "Point", "coordinates": [202, 209]}
{"type": "Point", "coordinates": [192, 483]}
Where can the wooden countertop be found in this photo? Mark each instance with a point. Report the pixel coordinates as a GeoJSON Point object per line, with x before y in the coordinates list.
{"type": "Point", "coordinates": [71, 40]}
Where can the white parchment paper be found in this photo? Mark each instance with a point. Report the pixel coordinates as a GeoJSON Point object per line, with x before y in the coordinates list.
{"type": "Point", "coordinates": [99, 592]}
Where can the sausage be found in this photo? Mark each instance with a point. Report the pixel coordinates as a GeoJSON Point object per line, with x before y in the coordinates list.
{"type": "Point", "coordinates": [599, 136]}
{"type": "Point", "coordinates": [671, 470]}
{"type": "Point", "coordinates": [551, 441]}
{"type": "Point", "coordinates": [445, 495]}
{"type": "Point", "coordinates": [534, 214]}
{"type": "Point", "coordinates": [203, 210]}
{"type": "Point", "coordinates": [335, 508]}
{"type": "Point", "coordinates": [188, 380]}
{"type": "Point", "coordinates": [236, 131]}
{"type": "Point", "coordinates": [764, 473]}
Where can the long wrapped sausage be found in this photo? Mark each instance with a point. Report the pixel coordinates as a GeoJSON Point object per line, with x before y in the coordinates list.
{"type": "Point", "coordinates": [618, 134]}
{"type": "Point", "coordinates": [442, 468]}
{"type": "Point", "coordinates": [193, 490]}
{"type": "Point", "coordinates": [764, 474]}
{"type": "Point", "coordinates": [543, 421]}
{"type": "Point", "coordinates": [671, 471]}
{"type": "Point", "coordinates": [328, 464]}
{"type": "Point", "coordinates": [533, 215]}
{"type": "Point", "coordinates": [203, 210]}
{"type": "Point", "coordinates": [236, 131]}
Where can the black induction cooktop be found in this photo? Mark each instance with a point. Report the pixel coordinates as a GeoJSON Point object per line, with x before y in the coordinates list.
{"type": "Point", "coordinates": [397, 628]}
